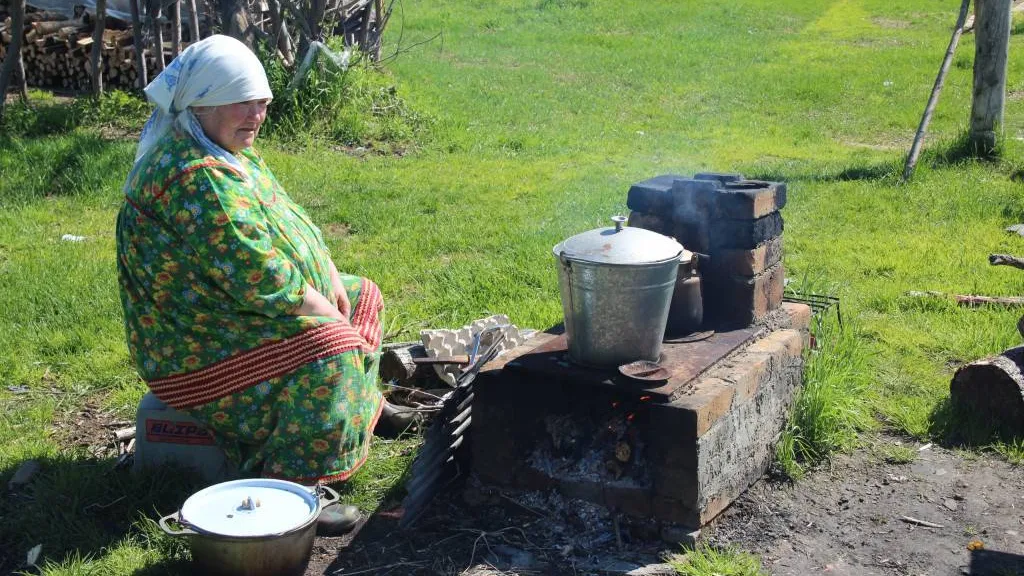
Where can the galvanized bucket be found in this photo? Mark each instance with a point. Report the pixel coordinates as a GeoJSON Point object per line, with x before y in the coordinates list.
{"type": "Point", "coordinates": [616, 286]}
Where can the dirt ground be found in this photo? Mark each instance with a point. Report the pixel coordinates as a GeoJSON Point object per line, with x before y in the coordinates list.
{"type": "Point", "coordinates": [846, 519]}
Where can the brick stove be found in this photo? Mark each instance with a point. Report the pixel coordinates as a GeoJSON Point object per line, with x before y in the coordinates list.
{"type": "Point", "coordinates": [676, 451]}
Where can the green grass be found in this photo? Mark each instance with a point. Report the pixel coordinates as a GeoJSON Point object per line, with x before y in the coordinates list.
{"type": "Point", "coordinates": [540, 115]}
{"type": "Point", "coordinates": [706, 560]}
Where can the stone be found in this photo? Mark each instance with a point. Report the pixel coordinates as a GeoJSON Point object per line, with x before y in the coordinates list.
{"type": "Point", "coordinates": [653, 195]}
{"type": "Point", "coordinates": [745, 234]}
{"type": "Point", "coordinates": [749, 199]}
{"type": "Point", "coordinates": [752, 262]}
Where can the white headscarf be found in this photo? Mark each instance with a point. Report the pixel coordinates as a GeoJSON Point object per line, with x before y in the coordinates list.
{"type": "Point", "coordinates": [215, 71]}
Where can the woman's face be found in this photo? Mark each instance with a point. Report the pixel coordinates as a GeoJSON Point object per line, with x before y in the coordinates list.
{"type": "Point", "coordinates": [233, 126]}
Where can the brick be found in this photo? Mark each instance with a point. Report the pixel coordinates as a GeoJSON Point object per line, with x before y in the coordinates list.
{"type": "Point", "coordinates": [749, 199]}
{"type": "Point", "coordinates": [799, 315]}
{"type": "Point", "coordinates": [746, 373]}
{"type": "Point", "coordinates": [745, 234]}
{"type": "Point", "coordinates": [652, 195]}
{"type": "Point", "coordinates": [675, 510]}
{"type": "Point", "coordinates": [737, 262]}
{"type": "Point", "coordinates": [708, 400]}
{"type": "Point", "coordinates": [692, 213]}
{"type": "Point", "coordinates": [779, 342]}
{"type": "Point", "coordinates": [721, 178]}
{"type": "Point", "coordinates": [651, 222]}
{"type": "Point", "coordinates": [734, 301]}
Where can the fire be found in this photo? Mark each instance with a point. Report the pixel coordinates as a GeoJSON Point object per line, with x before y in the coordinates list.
{"type": "Point", "coordinates": [630, 416]}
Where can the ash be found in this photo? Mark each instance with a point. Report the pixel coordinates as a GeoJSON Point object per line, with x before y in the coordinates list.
{"type": "Point", "coordinates": [576, 450]}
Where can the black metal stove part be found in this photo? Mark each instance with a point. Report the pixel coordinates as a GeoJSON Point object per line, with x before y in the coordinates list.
{"type": "Point", "coordinates": [441, 457]}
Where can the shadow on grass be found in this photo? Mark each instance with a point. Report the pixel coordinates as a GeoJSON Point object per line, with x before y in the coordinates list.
{"type": "Point", "coordinates": [958, 427]}
{"type": "Point", "coordinates": [79, 162]}
{"type": "Point", "coordinates": [878, 171]}
{"type": "Point", "coordinates": [79, 507]}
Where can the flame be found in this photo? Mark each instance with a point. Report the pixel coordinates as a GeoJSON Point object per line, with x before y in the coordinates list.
{"type": "Point", "coordinates": [630, 416]}
{"type": "Point", "coordinates": [645, 398]}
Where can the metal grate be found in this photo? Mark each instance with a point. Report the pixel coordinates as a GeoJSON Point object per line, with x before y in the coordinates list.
{"type": "Point", "coordinates": [441, 457]}
{"type": "Point", "coordinates": [820, 305]}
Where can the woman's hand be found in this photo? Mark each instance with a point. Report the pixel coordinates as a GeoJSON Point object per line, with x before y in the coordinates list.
{"type": "Point", "coordinates": [340, 295]}
{"type": "Point", "coordinates": [316, 304]}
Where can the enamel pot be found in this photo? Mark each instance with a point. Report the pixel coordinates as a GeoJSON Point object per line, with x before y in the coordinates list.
{"type": "Point", "coordinates": [616, 285]}
{"type": "Point", "coordinates": [252, 527]}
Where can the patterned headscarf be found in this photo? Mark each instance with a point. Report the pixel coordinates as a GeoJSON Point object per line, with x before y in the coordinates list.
{"type": "Point", "coordinates": [212, 72]}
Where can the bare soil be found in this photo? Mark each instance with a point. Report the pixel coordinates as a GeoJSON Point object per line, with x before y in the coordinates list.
{"type": "Point", "coordinates": [846, 519]}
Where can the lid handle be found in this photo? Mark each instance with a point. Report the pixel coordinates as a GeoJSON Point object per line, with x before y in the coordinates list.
{"type": "Point", "coordinates": [619, 221]}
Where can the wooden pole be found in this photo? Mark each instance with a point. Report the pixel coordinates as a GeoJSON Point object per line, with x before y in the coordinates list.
{"type": "Point", "coordinates": [156, 24]}
{"type": "Point", "coordinates": [915, 149]}
{"type": "Point", "coordinates": [140, 48]}
{"type": "Point", "coordinates": [176, 28]}
{"type": "Point", "coordinates": [193, 22]}
{"type": "Point", "coordinates": [991, 53]}
{"type": "Point", "coordinates": [97, 48]}
{"type": "Point", "coordinates": [17, 8]}
{"type": "Point", "coordinates": [19, 75]}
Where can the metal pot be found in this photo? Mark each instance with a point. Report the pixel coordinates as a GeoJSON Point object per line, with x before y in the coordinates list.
{"type": "Point", "coordinates": [252, 527]}
{"type": "Point", "coordinates": [616, 285]}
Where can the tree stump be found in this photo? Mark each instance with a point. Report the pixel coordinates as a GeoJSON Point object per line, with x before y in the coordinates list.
{"type": "Point", "coordinates": [992, 390]}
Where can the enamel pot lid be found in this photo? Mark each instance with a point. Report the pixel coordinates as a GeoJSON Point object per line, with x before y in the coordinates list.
{"type": "Point", "coordinates": [252, 508]}
{"type": "Point", "coordinates": [621, 245]}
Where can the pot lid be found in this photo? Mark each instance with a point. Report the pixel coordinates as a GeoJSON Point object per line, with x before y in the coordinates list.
{"type": "Point", "coordinates": [620, 245]}
{"type": "Point", "coordinates": [251, 507]}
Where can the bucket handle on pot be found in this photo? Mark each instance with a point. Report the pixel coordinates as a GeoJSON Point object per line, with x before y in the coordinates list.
{"type": "Point", "coordinates": [331, 498]}
{"type": "Point", "coordinates": [176, 516]}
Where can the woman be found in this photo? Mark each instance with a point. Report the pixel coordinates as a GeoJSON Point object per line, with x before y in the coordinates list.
{"type": "Point", "coordinates": [233, 309]}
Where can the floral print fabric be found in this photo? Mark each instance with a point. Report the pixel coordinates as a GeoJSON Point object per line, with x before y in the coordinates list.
{"type": "Point", "coordinates": [212, 260]}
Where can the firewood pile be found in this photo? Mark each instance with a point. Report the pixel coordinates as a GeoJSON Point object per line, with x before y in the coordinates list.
{"type": "Point", "coordinates": [56, 51]}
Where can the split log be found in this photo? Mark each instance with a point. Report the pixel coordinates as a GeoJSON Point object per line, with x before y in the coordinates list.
{"type": "Point", "coordinates": [398, 363]}
{"type": "Point", "coordinates": [993, 390]}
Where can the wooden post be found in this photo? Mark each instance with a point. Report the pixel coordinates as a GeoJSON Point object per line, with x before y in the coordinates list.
{"type": "Point", "coordinates": [140, 48]}
{"type": "Point", "coordinates": [19, 75]}
{"type": "Point", "coordinates": [193, 22]}
{"type": "Point", "coordinates": [156, 24]}
{"type": "Point", "coordinates": [992, 48]}
{"type": "Point", "coordinates": [17, 9]}
{"type": "Point", "coordinates": [97, 48]}
{"type": "Point", "coordinates": [176, 28]}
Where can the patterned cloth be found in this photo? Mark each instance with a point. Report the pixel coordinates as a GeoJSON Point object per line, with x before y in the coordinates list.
{"type": "Point", "coordinates": [211, 264]}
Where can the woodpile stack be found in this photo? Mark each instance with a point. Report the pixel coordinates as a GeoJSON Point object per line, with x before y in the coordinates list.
{"type": "Point", "coordinates": [56, 51]}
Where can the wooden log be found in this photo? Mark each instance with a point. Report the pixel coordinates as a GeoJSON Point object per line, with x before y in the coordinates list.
{"type": "Point", "coordinates": [991, 54]}
{"type": "Point", "coordinates": [47, 28]}
{"type": "Point", "coordinates": [971, 300]}
{"type": "Point", "coordinates": [13, 50]}
{"type": "Point", "coordinates": [992, 389]}
{"type": "Point", "coordinates": [138, 46]}
{"type": "Point", "coordinates": [398, 363]}
{"type": "Point", "coordinates": [97, 48]}
{"type": "Point", "coordinates": [1006, 260]}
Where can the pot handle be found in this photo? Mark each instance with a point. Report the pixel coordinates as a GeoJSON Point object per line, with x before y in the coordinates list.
{"type": "Point", "coordinates": [331, 498]}
{"type": "Point", "coordinates": [176, 516]}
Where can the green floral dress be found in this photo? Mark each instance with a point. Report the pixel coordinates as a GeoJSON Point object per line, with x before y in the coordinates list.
{"type": "Point", "coordinates": [212, 262]}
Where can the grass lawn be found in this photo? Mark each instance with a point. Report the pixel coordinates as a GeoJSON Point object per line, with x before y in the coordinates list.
{"type": "Point", "coordinates": [543, 112]}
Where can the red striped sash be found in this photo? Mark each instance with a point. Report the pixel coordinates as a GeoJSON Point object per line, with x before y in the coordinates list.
{"type": "Point", "coordinates": [277, 358]}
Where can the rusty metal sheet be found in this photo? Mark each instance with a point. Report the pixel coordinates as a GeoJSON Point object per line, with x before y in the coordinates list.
{"type": "Point", "coordinates": [685, 362]}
